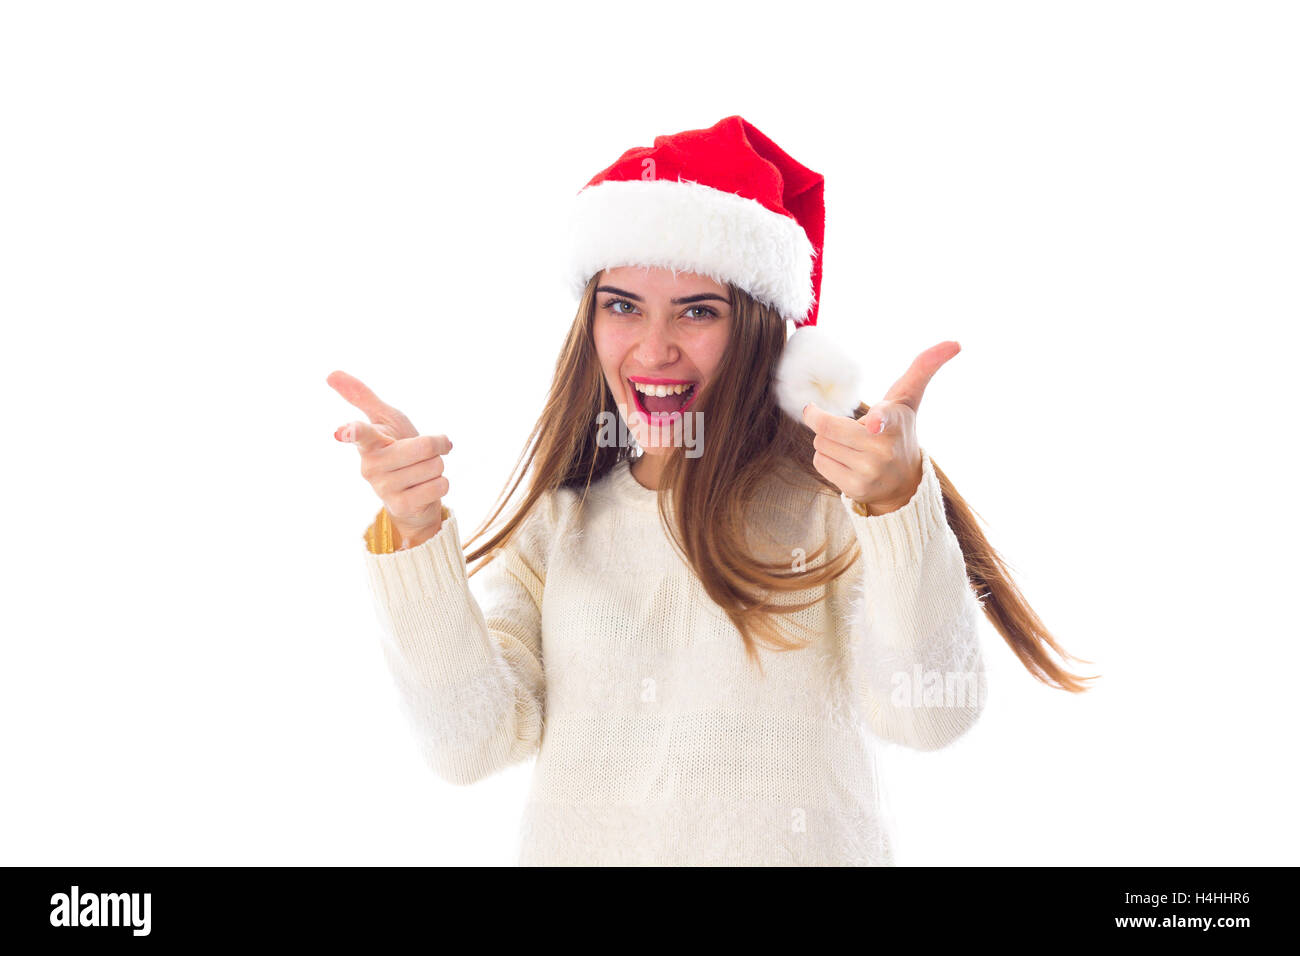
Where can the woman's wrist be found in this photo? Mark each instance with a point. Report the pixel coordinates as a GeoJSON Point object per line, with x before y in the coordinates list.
{"type": "Point", "coordinates": [874, 509]}
{"type": "Point", "coordinates": [405, 540]}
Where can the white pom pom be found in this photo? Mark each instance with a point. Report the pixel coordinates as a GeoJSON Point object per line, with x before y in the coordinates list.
{"type": "Point", "coordinates": [813, 369]}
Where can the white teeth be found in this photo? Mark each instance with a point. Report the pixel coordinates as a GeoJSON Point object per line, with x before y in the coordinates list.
{"type": "Point", "coordinates": [660, 390]}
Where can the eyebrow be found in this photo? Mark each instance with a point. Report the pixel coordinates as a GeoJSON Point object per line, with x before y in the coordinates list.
{"type": "Point", "coordinates": [702, 297]}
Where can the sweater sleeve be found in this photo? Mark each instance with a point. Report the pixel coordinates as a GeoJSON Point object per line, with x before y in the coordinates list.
{"type": "Point", "coordinates": [912, 618]}
{"type": "Point", "coordinates": [379, 536]}
{"type": "Point", "coordinates": [470, 679]}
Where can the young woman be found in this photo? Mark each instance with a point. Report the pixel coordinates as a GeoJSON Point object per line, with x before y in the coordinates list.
{"type": "Point", "coordinates": [700, 632]}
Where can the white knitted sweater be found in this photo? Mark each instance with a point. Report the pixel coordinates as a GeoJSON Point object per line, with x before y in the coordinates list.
{"type": "Point", "coordinates": [657, 741]}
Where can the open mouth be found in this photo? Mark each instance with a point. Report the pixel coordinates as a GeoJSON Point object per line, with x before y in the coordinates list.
{"type": "Point", "coordinates": [662, 400]}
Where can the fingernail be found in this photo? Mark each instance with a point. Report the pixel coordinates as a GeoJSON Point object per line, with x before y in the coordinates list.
{"type": "Point", "coordinates": [349, 434]}
{"type": "Point", "coordinates": [884, 420]}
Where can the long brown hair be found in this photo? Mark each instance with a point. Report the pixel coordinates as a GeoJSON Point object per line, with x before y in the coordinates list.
{"type": "Point", "coordinates": [711, 498]}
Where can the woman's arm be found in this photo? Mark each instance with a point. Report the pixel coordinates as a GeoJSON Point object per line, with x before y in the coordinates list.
{"type": "Point", "coordinates": [382, 538]}
{"type": "Point", "coordinates": [471, 683]}
{"type": "Point", "coordinates": [912, 622]}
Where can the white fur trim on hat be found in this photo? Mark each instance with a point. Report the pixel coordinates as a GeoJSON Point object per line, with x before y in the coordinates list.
{"type": "Point", "coordinates": [690, 227]}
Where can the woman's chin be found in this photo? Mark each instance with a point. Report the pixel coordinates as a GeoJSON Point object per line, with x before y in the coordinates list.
{"type": "Point", "coordinates": [660, 436]}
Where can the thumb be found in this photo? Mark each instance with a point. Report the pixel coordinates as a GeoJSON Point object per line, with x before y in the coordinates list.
{"type": "Point", "coordinates": [365, 436]}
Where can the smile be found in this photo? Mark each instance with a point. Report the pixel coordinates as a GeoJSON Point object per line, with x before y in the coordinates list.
{"type": "Point", "coordinates": [662, 400]}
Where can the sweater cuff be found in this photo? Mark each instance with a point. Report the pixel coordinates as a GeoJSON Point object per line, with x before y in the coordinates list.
{"type": "Point", "coordinates": [899, 538]}
{"type": "Point", "coordinates": [422, 572]}
{"type": "Point", "coordinates": [381, 538]}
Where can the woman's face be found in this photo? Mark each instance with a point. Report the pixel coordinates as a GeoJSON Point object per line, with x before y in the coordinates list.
{"type": "Point", "coordinates": [661, 332]}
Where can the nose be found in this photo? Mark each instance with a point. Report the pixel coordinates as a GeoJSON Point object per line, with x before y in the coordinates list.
{"type": "Point", "coordinates": [657, 347]}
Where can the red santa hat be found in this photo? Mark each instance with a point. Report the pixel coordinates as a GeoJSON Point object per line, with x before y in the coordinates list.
{"type": "Point", "coordinates": [728, 203]}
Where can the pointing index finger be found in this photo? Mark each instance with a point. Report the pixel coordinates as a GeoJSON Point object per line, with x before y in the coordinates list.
{"type": "Point", "coordinates": [368, 438]}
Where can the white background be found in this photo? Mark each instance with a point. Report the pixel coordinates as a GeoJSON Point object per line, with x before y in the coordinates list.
{"type": "Point", "coordinates": [207, 207]}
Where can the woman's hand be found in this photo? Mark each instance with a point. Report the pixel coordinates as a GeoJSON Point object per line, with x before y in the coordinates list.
{"type": "Point", "coordinates": [876, 460]}
{"type": "Point", "coordinates": [404, 467]}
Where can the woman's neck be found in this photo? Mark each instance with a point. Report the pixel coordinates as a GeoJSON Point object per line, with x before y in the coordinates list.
{"type": "Point", "coordinates": [647, 469]}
